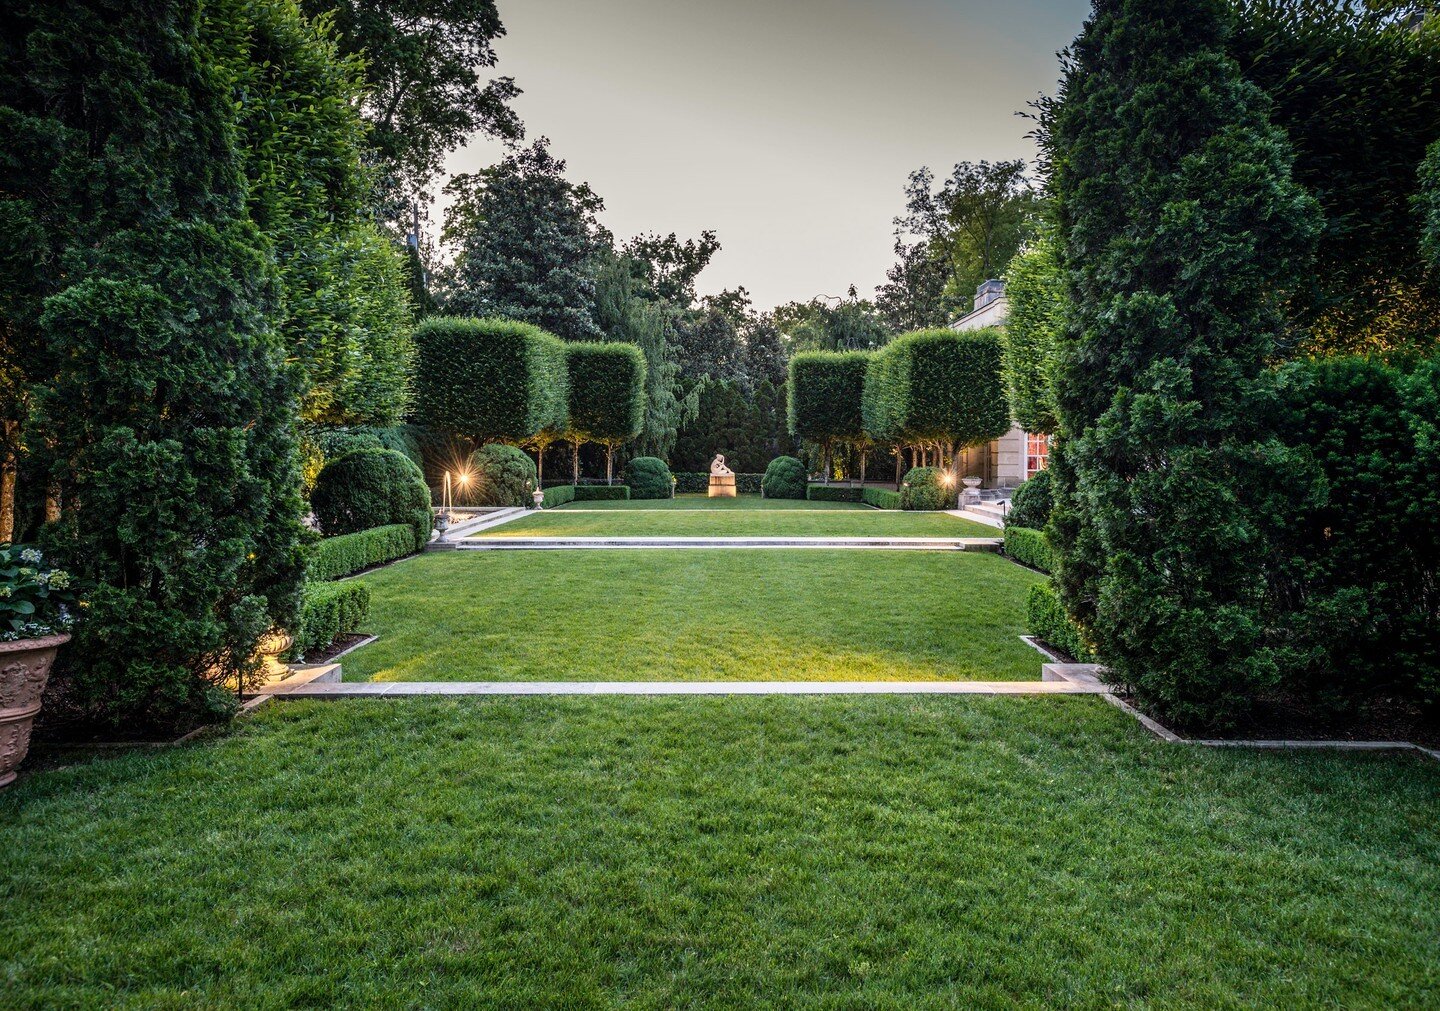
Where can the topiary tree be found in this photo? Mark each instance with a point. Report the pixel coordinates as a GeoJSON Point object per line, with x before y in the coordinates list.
{"type": "Point", "coordinates": [1032, 503]}
{"type": "Point", "coordinates": [928, 488]}
{"type": "Point", "coordinates": [1035, 290]}
{"type": "Point", "coordinates": [937, 387]}
{"type": "Point", "coordinates": [372, 488]}
{"type": "Point", "coordinates": [785, 477]}
{"type": "Point", "coordinates": [502, 475]}
{"type": "Point", "coordinates": [139, 360]}
{"type": "Point", "coordinates": [607, 397]}
{"type": "Point", "coordinates": [823, 393]}
{"type": "Point", "coordinates": [649, 478]}
{"type": "Point", "coordinates": [493, 380]}
{"type": "Point", "coordinates": [1182, 232]}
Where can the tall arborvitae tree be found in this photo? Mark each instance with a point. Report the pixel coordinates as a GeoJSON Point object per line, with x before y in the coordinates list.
{"type": "Point", "coordinates": [161, 400]}
{"type": "Point", "coordinates": [526, 244]}
{"type": "Point", "coordinates": [1182, 234]}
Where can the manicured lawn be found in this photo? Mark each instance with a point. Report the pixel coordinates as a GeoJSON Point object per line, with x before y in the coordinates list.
{"type": "Point", "coordinates": [662, 853]}
{"type": "Point", "coordinates": [697, 615]}
{"type": "Point", "coordinates": [740, 523]}
{"type": "Point", "coordinates": [741, 502]}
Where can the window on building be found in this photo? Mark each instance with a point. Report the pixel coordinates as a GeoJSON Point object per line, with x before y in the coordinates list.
{"type": "Point", "coordinates": [1037, 453]}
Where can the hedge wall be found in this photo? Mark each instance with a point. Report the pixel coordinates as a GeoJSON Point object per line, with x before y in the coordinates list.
{"type": "Point", "coordinates": [490, 379]}
{"type": "Point", "coordinates": [1030, 547]}
{"type": "Point", "coordinates": [607, 391]}
{"type": "Point", "coordinates": [937, 386]}
{"type": "Point", "coordinates": [327, 610]}
{"type": "Point", "coordinates": [602, 493]}
{"type": "Point", "coordinates": [823, 393]}
{"type": "Point", "coordinates": [880, 498]}
{"type": "Point", "coordinates": [334, 557]}
{"type": "Point", "coordinates": [1045, 619]}
{"type": "Point", "coordinates": [557, 495]}
{"type": "Point", "coordinates": [693, 483]}
{"type": "Point", "coordinates": [832, 493]}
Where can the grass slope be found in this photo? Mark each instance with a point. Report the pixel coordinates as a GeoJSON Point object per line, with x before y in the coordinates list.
{"type": "Point", "coordinates": [697, 615]}
{"type": "Point", "coordinates": [740, 523]}
{"type": "Point", "coordinates": [770, 853]}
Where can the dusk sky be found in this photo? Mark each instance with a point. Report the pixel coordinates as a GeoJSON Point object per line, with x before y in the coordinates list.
{"type": "Point", "coordinates": [788, 126]}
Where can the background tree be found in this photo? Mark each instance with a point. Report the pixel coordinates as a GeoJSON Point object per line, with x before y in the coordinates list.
{"type": "Point", "coordinates": [526, 244]}
{"type": "Point", "coordinates": [1183, 233]}
{"type": "Point", "coordinates": [425, 93]}
{"type": "Point", "coordinates": [913, 295]}
{"type": "Point", "coordinates": [159, 392]}
{"type": "Point", "coordinates": [971, 225]}
{"type": "Point", "coordinates": [671, 266]}
{"type": "Point", "coordinates": [850, 324]}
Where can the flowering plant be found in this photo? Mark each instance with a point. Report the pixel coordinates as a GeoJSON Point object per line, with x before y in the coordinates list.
{"type": "Point", "coordinates": [35, 600]}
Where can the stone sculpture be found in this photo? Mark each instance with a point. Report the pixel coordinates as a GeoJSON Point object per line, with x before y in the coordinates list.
{"type": "Point", "coordinates": [722, 478]}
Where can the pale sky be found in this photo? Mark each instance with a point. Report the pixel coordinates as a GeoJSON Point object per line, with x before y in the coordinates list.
{"type": "Point", "coordinates": [788, 126]}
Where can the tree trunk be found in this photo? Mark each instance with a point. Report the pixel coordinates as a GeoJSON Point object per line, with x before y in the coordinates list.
{"type": "Point", "coordinates": [575, 458]}
{"type": "Point", "coordinates": [827, 461]}
{"type": "Point", "coordinates": [609, 464]}
{"type": "Point", "coordinates": [52, 502]}
{"type": "Point", "coordinates": [540, 467]}
{"type": "Point", "coordinates": [7, 481]}
{"type": "Point", "coordinates": [863, 454]}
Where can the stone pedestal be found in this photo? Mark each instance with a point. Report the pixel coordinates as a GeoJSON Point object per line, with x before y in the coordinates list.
{"type": "Point", "coordinates": [722, 485]}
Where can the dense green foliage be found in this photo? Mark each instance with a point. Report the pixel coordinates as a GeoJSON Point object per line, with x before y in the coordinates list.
{"type": "Point", "coordinates": [823, 394]}
{"type": "Point", "coordinates": [832, 493]}
{"type": "Point", "coordinates": [1029, 547]}
{"type": "Point", "coordinates": [1178, 191]}
{"type": "Point", "coordinates": [1045, 618]}
{"type": "Point", "coordinates": [1353, 569]}
{"type": "Point", "coordinates": [372, 488]}
{"type": "Point", "coordinates": [937, 386]}
{"type": "Point", "coordinates": [525, 242]}
{"type": "Point", "coordinates": [747, 426]}
{"type": "Point", "coordinates": [1032, 503]}
{"type": "Point", "coordinates": [490, 378]}
{"type": "Point", "coordinates": [139, 365]}
{"type": "Point", "coordinates": [925, 488]}
{"type": "Point", "coordinates": [880, 498]}
{"type": "Point", "coordinates": [562, 493]}
{"type": "Point", "coordinates": [329, 610]}
{"type": "Point", "coordinates": [649, 477]}
{"type": "Point", "coordinates": [1035, 291]}
{"type": "Point", "coordinates": [607, 395]}
{"type": "Point", "coordinates": [1428, 204]}
{"type": "Point", "coordinates": [785, 477]}
{"type": "Point", "coordinates": [333, 557]}
{"type": "Point", "coordinates": [1354, 91]}
{"type": "Point", "coordinates": [345, 309]}
{"type": "Point", "coordinates": [500, 475]}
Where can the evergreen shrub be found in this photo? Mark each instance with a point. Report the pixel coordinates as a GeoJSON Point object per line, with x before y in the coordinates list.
{"type": "Point", "coordinates": [501, 475]}
{"type": "Point", "coordinates": [785, 478]}
{"type": "Point", "coordinates": [880, 498]}
{"type": "Point", "coordinates": [924, 489]}
{"type": "Point", "coordinates": [832, 493]}
{"type": "Point", "coordinates": [1046, 620]}
{"type": "Point", "coordinates": [1031, 504]}
{"type": "Point", "coordinates": [372, 488]}
{"type": "Point", "coordinates": [329, 610]}
{"type": "Point", "coordinates": [1029, 547]}
{"type": "Point", "coordinates": [648, 478]}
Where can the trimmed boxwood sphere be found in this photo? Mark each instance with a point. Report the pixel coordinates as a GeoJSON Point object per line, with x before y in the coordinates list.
{"type": "Point", "coordinates": [925, 490]}
{"type": "Point", "coordinates": [371, 488]}
{"type": "Point", "coordinates": [649, 477]}
{"type": "Point", "coordinates": [1031, 504]}
{"type": "Point", "coordinates": [784, 478]}
{"type": "Point", "coordinates": [501, 475]}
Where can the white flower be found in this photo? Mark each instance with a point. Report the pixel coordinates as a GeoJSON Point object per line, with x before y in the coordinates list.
{"type": "Point", "coordinates": [31, 555]}
{"type": "Point", "coordinates": [59, 579]}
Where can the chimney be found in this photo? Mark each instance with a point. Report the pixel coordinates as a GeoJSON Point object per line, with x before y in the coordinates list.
{"type": "Point", "coordinates": [988, 292]}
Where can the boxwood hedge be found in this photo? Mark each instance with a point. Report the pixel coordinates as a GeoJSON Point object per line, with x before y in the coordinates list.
{"type": "Point", "coordinates": [490, 379]}
{"type": "Point", "coordinates": [1029, 547]}
{"type": "Point", "coordinates": [832, 493]}
{"type": "Point", "coordinates": [334, 557]}
{"type": "Point", "coordinates": [1046, 620]}
{"type": "Point", "coordinates": [937, 386]}
{"type": "Point", "coordinates": [880, 498]}
{"type": "Point", "coordinates": [372, 488]}
{"type": "Point", "coordinates": [649, 478]}
{"type": "Point", "coordinates": [328, 610]}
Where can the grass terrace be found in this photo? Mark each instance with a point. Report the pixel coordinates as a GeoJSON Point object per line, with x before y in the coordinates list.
{"type": "Point", "coordinates": [564, 522]}
{"type": "Point", "coordinates": [739, 502]}
{"type": "Point", "coordinates": [697, 615]}
{"type": "Point", "coordinates": [702, 852]}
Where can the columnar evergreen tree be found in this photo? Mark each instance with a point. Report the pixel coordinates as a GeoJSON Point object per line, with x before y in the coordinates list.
{"type": "Point", "coordinates": [139, 293]}
{"type": "Point", "coordinates": [526, 243]}
{"type": "Point", "coordinates": [1035, 290]}
{"type": "Point", "coordinates": [1183, 232]}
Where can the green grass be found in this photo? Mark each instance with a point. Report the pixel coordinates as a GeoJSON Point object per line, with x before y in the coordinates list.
{"type": "Point", "coordinates": [697, 615]}
{"type": "Point", "coordinates": [740, 502]}
{"type": "Point", "coordinates": [740, 523]}
{"type": "Point", "coordinates": [771, 853]}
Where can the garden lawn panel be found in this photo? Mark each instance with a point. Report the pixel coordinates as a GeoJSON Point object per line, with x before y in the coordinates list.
{"type": "Point", "coordinates": [705, 852]}
{"type": "Point", "coordinates": [863, 522]}
{"type": "Point", "coordinates": [705, 502]}
{"type": "Point", "coordinates": [697, 615]}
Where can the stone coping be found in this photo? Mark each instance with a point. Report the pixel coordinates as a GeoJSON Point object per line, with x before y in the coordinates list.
{"type": "Point", "coordinates": [889, 543]}
{"type": "Point", "coordinates": [394, 689]}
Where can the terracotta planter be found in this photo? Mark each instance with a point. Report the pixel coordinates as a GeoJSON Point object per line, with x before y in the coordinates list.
{"type": "Point", "coordinates": [24, 669]}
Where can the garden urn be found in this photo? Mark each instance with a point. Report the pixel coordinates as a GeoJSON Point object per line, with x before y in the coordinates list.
{"type": "Point", "coordinates": [24, 669]}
